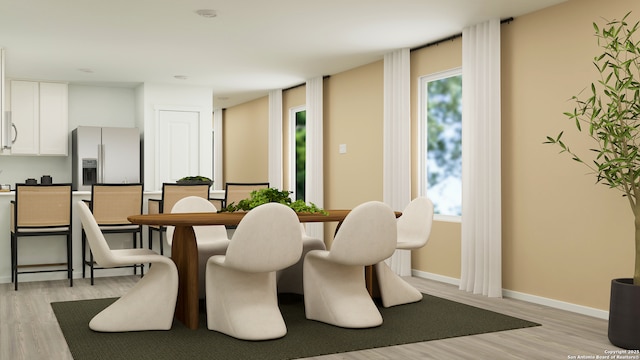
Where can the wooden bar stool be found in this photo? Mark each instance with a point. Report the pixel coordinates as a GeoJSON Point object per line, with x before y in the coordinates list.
{"type": "Point", "coordinates": [171, 193]}
{"type": "Point", "coordinates": [41, 210]}
{"type": "Point", "coordinates": [111, 204]}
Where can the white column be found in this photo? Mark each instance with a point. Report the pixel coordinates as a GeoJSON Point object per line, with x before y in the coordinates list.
{"type": "Point", "coordinates": [275, 138]}
{"type": "Point", "coordinates": [314, 191]}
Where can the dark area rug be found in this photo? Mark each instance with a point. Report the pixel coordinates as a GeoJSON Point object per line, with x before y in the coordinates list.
{"type": "Point", "coordinates": [430, 319]}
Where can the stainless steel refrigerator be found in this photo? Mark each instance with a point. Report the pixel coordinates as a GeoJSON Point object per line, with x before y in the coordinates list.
{"type": "Point", "coordinates": [105, 155]}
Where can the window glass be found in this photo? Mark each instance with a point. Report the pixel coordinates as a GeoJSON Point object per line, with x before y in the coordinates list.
{"type": "Point", "coordinates": [441, 158]}
{"type": "Point", "coordinates": [297, 152]}
{"type": "Point", "coordinates": [301, 150]}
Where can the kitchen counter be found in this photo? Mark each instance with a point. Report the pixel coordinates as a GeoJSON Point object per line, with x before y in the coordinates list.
{"type": "Point", "coordinates": [39, 250]}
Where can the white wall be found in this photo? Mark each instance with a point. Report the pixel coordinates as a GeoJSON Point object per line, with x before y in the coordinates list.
{"type": "Point", "coordinates": [151, 98]}
{"type": "Point", "coordinates": [88, 105]}
{"type": "Point", "coordinates": [101, 106]}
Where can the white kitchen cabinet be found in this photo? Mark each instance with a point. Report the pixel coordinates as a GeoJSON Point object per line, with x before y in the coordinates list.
{"type": "Point", "coordinates": [39, 112]}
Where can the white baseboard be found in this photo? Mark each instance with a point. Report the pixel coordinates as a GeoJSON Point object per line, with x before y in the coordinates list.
{"type": "Point", "coordinates": [435, 277]}
{"type": "Point", "coordinates": [556, 304]}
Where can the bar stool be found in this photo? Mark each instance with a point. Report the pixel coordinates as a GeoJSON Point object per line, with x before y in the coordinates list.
{"type": "Point", "coordinates": [41, 210]}
{"type": "Point", "coordinates": [111, 204]}
{"type": "Point", "coordinates": [234, 192]}
{"type": "Point", "coordinates": [171, 193]}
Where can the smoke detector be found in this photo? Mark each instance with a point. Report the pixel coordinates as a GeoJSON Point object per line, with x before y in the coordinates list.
{"type": "Point", "coordinates": [207, 13]}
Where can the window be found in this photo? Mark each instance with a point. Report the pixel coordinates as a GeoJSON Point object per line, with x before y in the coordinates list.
{"type": "Point", "coordinates": [298, 149]}
{"type": "Point", "coordinates": [441, 142]}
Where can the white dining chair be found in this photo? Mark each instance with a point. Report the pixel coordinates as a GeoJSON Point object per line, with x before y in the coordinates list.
{"type": "Point", "coordinates": [334, 280]}
{"type": "Point", "coordinates": [171, 193]}
{"type": "Point", "coordinates": [211, 240]}
{"type": "Point", "coordinates": [414, 228]}
{"type": "Point", "coordinates": [242, 299]}
{"type": "Point", "coordinates": [150, 304]}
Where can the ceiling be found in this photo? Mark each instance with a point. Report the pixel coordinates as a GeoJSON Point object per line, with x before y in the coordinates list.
{"type": "Point", "coordinates": [247, 49]}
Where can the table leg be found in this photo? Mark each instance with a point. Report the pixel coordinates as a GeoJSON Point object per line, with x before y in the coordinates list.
{"type": "Point", "coordinates": [371, 281]}
{"type": "Point", "coordinates": [184, 252]}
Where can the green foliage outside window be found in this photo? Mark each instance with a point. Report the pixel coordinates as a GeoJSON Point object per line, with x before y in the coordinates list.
{"type": "Point", "coordinates": [301, 156]}
{"type": "Point", "coordinates": [444, 144]}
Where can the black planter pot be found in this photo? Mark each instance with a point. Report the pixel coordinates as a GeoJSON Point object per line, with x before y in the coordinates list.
{"type": "Point", "coordinates": [624, 314]}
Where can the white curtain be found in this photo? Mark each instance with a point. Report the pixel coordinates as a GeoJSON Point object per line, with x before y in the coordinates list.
{"type": "Point", "coordinates": [275, 138]}
{"type": "Point", "coordinates": [397, 143]}
{"type": "Point", "coordinates": [481, 174]}
{"type": "Point", "coordinates": [314, 160]}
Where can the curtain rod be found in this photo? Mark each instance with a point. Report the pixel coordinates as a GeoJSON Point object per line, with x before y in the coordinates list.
{"type": "Point", "coordinates": [452, 37]}
{"type": "Point", "coordinates": [304, 83]}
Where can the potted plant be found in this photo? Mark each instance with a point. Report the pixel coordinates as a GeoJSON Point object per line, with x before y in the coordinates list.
{"type": "Point", "coordinates": [267, 195]}
{"type": "Point", "coordinates": [610, 116]}
{"type": "Point", "coordinates": [195, 180]}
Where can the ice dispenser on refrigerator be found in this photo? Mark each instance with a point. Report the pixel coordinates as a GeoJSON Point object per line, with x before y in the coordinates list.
{"type": "Point", "coordinates": [105, 155]}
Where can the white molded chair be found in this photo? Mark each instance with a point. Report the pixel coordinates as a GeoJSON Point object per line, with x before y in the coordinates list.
{"type": "Point", "coordinates": [290, 279]}
{"type": "Point", "coordinates": [211, 240]}
{"type": "Point", "coordinates": [151, 303]}
{"type": "Point", "coordinates": [414, 228]}
{"type": "Point", "coordinates": [334, 280]}
{"type": "Point", "coordinates": [242, 299]}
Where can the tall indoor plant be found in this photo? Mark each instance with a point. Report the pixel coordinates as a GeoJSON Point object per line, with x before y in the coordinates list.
{"type": "Point", "coordinates": [610, 116]}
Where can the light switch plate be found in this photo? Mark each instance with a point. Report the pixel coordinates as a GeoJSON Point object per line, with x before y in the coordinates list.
{"type": "Point", "coordinates": [343, 148]}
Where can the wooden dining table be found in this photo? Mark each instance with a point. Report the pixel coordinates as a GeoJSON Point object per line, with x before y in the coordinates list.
{"type": "Point", "coordinates": [184, 250]}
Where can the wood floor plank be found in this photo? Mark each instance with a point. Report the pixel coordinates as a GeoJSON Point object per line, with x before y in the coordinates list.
{"type": "Point", "coordinates": [29, 330]}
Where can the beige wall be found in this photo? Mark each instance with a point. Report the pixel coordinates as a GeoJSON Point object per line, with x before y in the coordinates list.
{"type": "Point", "coordinates": [353, 116]}
{"type": "Point", "coordinates": [564, 237]}
{"type": "Point", "coordinates": [245, 142]}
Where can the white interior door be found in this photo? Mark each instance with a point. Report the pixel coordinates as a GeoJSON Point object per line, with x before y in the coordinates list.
{"type": "Point", "coordinates": [178, 144]}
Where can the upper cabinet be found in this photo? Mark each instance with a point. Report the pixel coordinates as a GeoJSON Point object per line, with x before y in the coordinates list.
{"type": "Point", "coordinates": [39, 113]}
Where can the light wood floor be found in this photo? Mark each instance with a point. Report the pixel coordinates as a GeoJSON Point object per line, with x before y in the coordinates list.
{"type": "Point", "coordinates": [29, 330]}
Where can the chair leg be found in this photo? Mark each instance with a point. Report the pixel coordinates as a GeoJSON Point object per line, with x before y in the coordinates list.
{"type": "Point", "coordinates": [14, 268]}
{"type": "Point", "coordinates": [91, 265]}
{"type": "Point", "coordinates": [84, 254]}
{"type": "Point", "coordinates": [230, 295]}
{"type": "Point", "coordinates": [141, 247]}
{"type": "Point", "coordinates": [70, 259]}
{"type": "Point", "coordinates": [393, 289]}
{"type": "Point", "coordinates": [13, 259]}
{"type": "Point", "coordinates": [328, 285]}
{"type": "Point", "coordinates": [135, 245]}
{"type": "Point", "coordinates": [161, 284]}
{"type": "Point", "coordinates": [159, 240]}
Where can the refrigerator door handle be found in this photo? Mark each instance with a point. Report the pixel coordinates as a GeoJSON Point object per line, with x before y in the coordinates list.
{"type": "Point", "coordinates": [7, 126]}
{"type": "Point", "coordinates": [100, 163]}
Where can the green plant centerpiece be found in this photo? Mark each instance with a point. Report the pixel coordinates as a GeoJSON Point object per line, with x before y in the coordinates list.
{"type": "Point", "coordinates": [267, 195]}
{"type": "Point", "coordinates": [610, 116]}
{"type": "Point", "coordinates": [195, 180]}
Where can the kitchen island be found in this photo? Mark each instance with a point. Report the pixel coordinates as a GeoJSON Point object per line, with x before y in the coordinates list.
{"type": "Point", "coordinates": [41, 250]}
